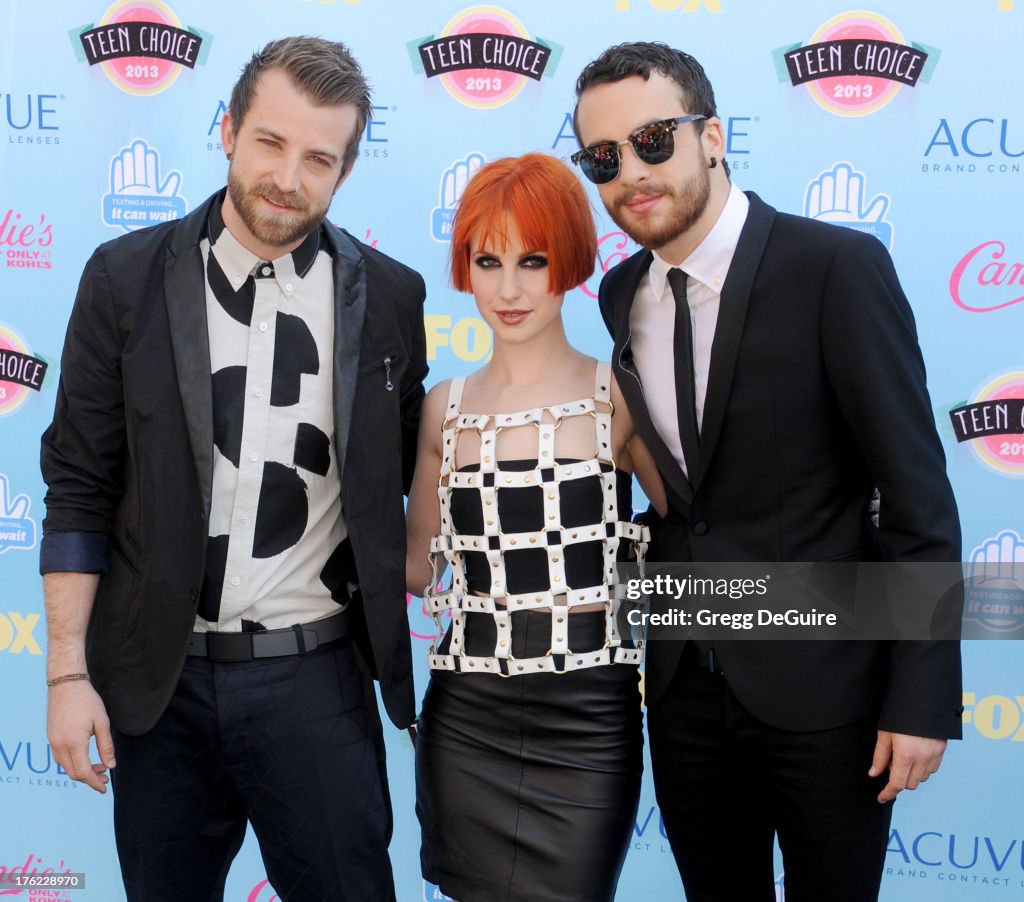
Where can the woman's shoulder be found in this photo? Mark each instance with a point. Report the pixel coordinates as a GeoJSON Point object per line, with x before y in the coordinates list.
{"type": "Point", "coordinates": [436, 401]}
{"type": "Point", "coordinates": [434, 412]}
{"type": "Point", "coordinates": [440, 390]}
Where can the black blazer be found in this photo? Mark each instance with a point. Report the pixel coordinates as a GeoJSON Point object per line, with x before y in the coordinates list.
{"type": "Point", "coordinates": [816, 394]}
{"type": "Point", "coordinates": [130, 452]}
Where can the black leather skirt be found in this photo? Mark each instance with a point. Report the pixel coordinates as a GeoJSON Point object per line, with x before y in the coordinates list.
{"type": "Point", "coordinates": [527, 787]}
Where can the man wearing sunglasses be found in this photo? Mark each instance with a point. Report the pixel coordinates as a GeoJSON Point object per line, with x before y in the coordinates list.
{"type": "Point", "coordinates": [790, 385]}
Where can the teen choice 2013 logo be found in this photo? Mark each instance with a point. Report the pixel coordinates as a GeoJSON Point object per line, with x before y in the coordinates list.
{"type": "Point", "coordinates": [994, 423]}
{"type": "Point", "coordinates": [20, 371]}
{"type": "Point", "coordinates": [484, 57]}
{"type": "Point", "coordinates": [855, 63]}
{"type": "Point", "coordinates": [141, 46]}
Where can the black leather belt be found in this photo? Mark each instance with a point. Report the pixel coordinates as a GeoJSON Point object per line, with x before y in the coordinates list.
{"type": "Point", "coordinates": [293, 640]}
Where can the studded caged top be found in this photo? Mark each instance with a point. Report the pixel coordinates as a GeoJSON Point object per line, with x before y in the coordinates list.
{"type": "Point", "coordinates": [532, 535]}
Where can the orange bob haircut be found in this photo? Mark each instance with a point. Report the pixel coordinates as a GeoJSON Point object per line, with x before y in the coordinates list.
{"type": "Point", "coordinates": [536, 197]}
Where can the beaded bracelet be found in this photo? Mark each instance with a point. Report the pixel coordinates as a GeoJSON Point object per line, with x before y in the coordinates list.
{"type": "Point", "coordinates": [67, 678]}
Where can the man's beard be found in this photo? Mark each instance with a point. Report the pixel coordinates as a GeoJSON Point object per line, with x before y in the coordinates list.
{"type": "Point", "coordinates": [688, 205]}
{"type": "Point", "coordinates": [272, 229]}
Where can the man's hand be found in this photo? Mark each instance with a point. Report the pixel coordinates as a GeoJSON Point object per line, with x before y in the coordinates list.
{"type": "Point", "coordinates": [911, 760]}
{"type": "Point", "coordinates": [74, 712]}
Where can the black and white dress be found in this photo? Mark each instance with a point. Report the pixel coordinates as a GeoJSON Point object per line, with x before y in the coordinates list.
{"type": "Point", "coordinates": [530, 740]}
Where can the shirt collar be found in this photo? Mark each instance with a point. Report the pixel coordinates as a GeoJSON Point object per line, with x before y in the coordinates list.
{"type": "Point", "coordinates": [238, 263]}
{"type": "Point", "coordinates": [709, 263]}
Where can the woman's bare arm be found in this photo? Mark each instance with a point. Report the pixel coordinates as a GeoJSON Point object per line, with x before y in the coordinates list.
{"type": "Point", "coordinates": [423, 515]}
{"type": "Point", "coordinates": [634, 455]}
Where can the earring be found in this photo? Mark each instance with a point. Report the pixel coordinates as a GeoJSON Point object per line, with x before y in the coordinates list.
{"type": "Point", "coordinates": [714, 163]}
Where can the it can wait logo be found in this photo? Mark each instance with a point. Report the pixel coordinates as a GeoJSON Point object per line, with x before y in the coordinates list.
{"type": "Point", "coordinates": [141, 46]}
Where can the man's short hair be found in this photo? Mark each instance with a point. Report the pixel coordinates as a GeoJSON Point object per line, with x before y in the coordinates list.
{"type": "Point", "coordinates": [323, 70]}
{"type": "Point", "coordinates": [642, 58]}
{"type": "Point", "coordinates": [539, 198]}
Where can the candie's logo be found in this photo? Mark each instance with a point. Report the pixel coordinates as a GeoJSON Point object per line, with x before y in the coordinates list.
{"type": "Point", "coordinates": [12, 871]}
{"type": "Point", "coordinates": [262, 892]}
{"type": "Point", "coordinates": [855, 63]}
{"type": "Point", "coordinates": [141, 46]}
{"type": "Point", "coordinates": [484, 56]}
{"type": "Point", "coordinates": [20, 372]}
{"type": "Point", "coordinates": [983, 279]}
{"type": "Point", "coordinates": [612, 249]}
{"type": "Point", "coordinates": [994, 424]}
{"type": "Point", "coordinates": [25, 242]}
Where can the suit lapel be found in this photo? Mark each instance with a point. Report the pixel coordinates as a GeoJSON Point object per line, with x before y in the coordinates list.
{"type": "Point", "coordinates": [732, 313]}
{"type": "Point", "coordinates": [350, 296]}
{"type": "Point", "coordinates": [623, 290]}
{"type": "Point", "coordinates": [185, 298]}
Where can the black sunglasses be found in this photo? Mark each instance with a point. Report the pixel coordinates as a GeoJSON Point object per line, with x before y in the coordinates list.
{"type": "Point", "coordinates": [652, 144]}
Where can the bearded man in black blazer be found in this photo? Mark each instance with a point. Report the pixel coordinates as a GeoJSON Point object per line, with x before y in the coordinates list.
{"type": "Point", "coordinates": [788, 388]}
{"type": "Point", "coordinates": [224, 550]}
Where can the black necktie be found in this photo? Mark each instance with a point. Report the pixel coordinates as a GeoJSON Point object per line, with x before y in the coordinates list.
{"type": "Point", "coordinates": [686, 402]}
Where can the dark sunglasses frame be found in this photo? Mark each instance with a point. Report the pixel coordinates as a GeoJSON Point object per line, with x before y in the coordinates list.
{"type": "Point", "coordinates": [653, 144]}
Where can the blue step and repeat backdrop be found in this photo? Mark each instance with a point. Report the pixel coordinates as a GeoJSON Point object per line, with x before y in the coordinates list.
{"type": "Point", "coordinates": [900, 118]}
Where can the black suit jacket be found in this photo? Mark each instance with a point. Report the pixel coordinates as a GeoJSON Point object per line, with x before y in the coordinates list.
{"type": "Point", "coordinates": [129, 456]}
{"type": "Point", "coordinates": [816, 394]}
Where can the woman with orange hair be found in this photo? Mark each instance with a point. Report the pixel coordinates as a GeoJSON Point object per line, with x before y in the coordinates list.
{"type": "Point", "coordinates": [529, 753]}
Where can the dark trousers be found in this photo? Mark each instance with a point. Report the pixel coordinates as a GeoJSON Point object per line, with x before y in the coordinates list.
{"type": "Point", "coordinates": [727, 783]}
{"type": "Point", "coordinates": [292, 745]}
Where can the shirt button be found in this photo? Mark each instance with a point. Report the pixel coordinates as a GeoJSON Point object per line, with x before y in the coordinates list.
{"type": "Point", "coordinates": [243, 520]}
{"type": "Point", "coordinates": [236, 281]}
{"type": "Point", "coordinates": [264, 327]}
{"type": "Point", "coordinates": [258, 392]}
{"type": "Point", "coordinates": [266, 270]}
{"type": "Point", "coordinates": [288, 287]}
{"type": "Point", "coordinates": [254, 457]}
{"type": "Point", "coordinates": [235, 581]}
